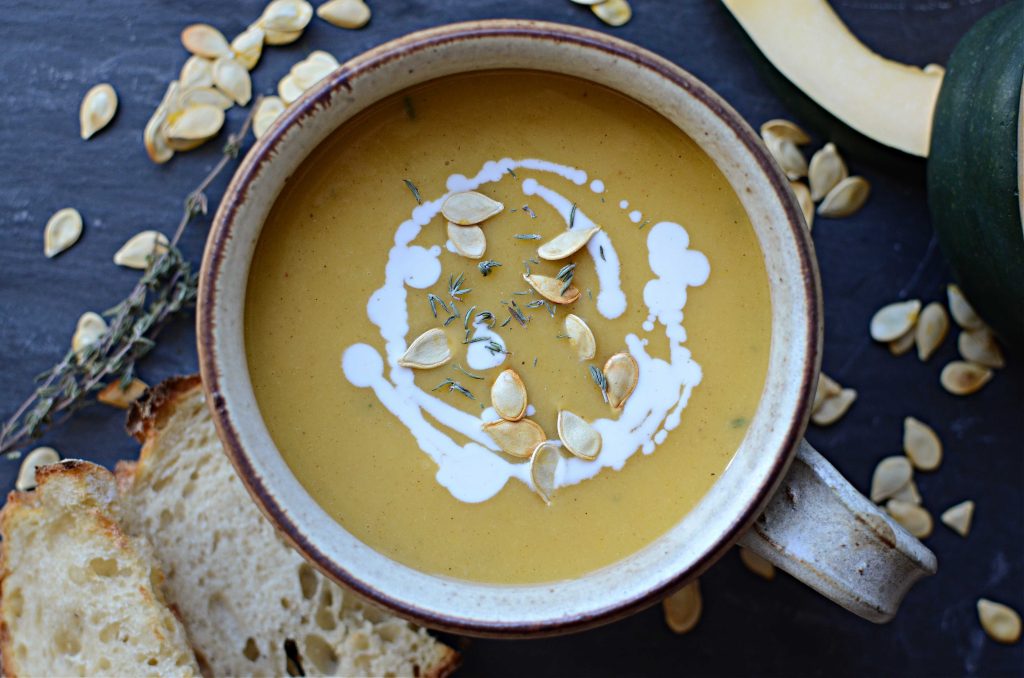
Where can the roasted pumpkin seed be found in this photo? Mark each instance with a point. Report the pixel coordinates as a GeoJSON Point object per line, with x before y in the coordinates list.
{"type": "Point", "coordinates": [40, 456]}
{"type": "Point", "coordinates": [825, 171]}
{"type": "Point", "coordinates": [845, 198]}
{"type": "Point", "coordinates": [286, 16]}
{"type": "Point", "coordinates": [311, 71]}
{"type": "Point", "coordinates": [197, 72]}
{"type": "Point", "coordinates": [468, 241]}
{"type": "Point", "coordinates": [979, 346]}
{"type": "Point", "coordinates": [544, 468]}
{"type": "Point", "coordinates": [682, 609]}
{"type": "Point", "coordinates": [204, 96]}
{"type": "Point", "coordinates": [914, 518]}
{"type": "Point", "coordinates": [962, 378]}
{"type": "Point", "coordinates": [622, 374]}
{"type": "Point", "coordinates": [578, 436]}
{"type": "Point", "coordinates": [289, 89]}
{"type": "Point", "coordinates": [893, 321]}
{"type": "Point", "coordinates": [270, 109]}
{"type": "Point", "coordinates": [785, 129]}
{"type": "Point", "coordinates": [515, 438]}
{"type": "Point", "coordinates": [932, 326]}
{"type": "Point", "coordinates": [137, 252]}
{"type": "Point", "coordinates": [826, 388]}
{"type": "Point", "coordinates": [469, 207]}
{"type": "Point", "coordinates": [427, 351]}
{"type": "Point", "coordinates": [278, 38]}
{"type": "Point", "coordinates": [345, 13]}
{"type": "Point", "coordinates": [891, 474]}
{"type": "Point", "coordinates": [122, 398]}
{"type": "Point", "coordinates": [566, 244]}
{"type": "Point", "coordinates": [908, 493]}
{"type": "Point", "coordinates": [195, 123]}
{"type": "Point", "coordinates": [552, 289]}
{"type": "Point", "coordinates": [958, 518]}
{"type": "Point", "coordinates": [961, 310]}
{"type": "Point", "coordinates": [508, 396]}
{"type": "Point", "coordinates": [97, 110]}
{"type": "Point", "coordinates": [756, 564]}
{"type": "Point", "coordinates": [833, 408]}
{"type": "Point", "coordinates": [247, 47]}
{"type": "Point", "coordinates": [613, 12]}
{"type": "Point", "coordinates": [921, 444]}
{"type": "Point", "coordinates": [90, 328]}
{"type": "Point", "coordinates": [232, 78]}
{"type": "Point", "coordinates": [580, 337]}
{"type": "Point", "coordinates": [205, 41]}
{"type": "Point", "coordinates": [62, 231]}
{"type": "Point", "coordinates": [803, 197]}
{"type": "Point", "coordinates": [787, 155]}
{"type": "Point", "coordinates": [904, 343]}
{"type": "Point", "coordinates": [1001, 622]}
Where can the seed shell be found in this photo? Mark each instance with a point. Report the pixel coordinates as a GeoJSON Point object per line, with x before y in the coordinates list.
{"type": "Point", "coordinates": [921, 445]}
{"type": "Point", "coordinates": [515, 438]}
{"type": "Point", "coordinates": [427, 351]}
{"type": "Point", "coordinates": [469, 207]}
{"type": "Point", "coordinates": [204, 96]}
{"type": "Point", "coordinates": [551, 288]}
{"type": "Point", "coordinates": [756, 564]}
{"type": "Point", "coordinates": [197, 72]}
{"type": "Point", "coordinates": [566, 244]}
{"type": "Point", "coordinates": [979, 346]}
{"type": "Point", "coordinates": [286, 16]}
{"type": "Point", "coordinates": [581, 337]}
{"type": "Point", "coordinates": [904, 343]}
{"type": "Point", "coordinates": [469, 241]}
{"type": "Point", "coordinates": [787, 155]}
{"type": "Point", "coordinates": [908, 493]}
{"type": "Point", "coordinates": [622, 373]}
{"type": "Point", "coordinates": [961, 310]}
{"type": "Point", "coordinates": [893, 321]}
{"type": "Point", "coordinates": [613, 12]}
{"type": "Point", "coordinates": [891, 474]}
{"type": "Point", "coordinates": [1001, 622]}
{"type": "Point", "coordinates": [345, 13]}
{"type": "Point", "coordinates": [932, 326]}
{"type": "Point", "coordinates": [232, 78]}
{"type": "Point", "coordinates": [140, 247]}
{"type": "Point", "coordinates": [845, 198]}
{"type": "Point", "coordinates": [247, 47]}
{"type": "Point", "coordinates": [508, 396]}
{"type": "Point", "coordinates": [826, 170]}
{"type": "Point", "coordinates": [90, 328]}
{"type": "Point", "coordinates": [62, 231]}
{"type": "Point", "coordinates": [195, 123]}
{"type": "Point", "coordinates": [278, 38]}
{"type": "Point", "coordinates": [826, 388]}
{"type": "Point", "coordinates": [914, 518]}
{"type": "Point", "coordinates": [962, 378]}
{"type": "Point", "coordinates": [785, 129]}
{"type": "Point", "coordinates": [834, 407]}
{"type": "Point", "coordinates": [544, 461]}
{"type": "Point", "coordinates": [289, 89]}
{"type": "Point", "coordinates": [97, 110]}
{"type": "Point", "coordinates": [958, 518]}
{"type": "Point", "coordinates": [309, 72]}
{"type": "Point", "coordinates": [682, 609]}
{"type": "Point", "coordinates": [578, 436]}
{"type": "Point", "coordinates": [122, 398]}
{"type": "Point", "coordinates": [803, 197]}
{"type": "Point", "coordinates": [270, 109]}
{"type": "Point", "coordinates": [204, 40]}
{"type": "Point", "coordinates": [41, 456]}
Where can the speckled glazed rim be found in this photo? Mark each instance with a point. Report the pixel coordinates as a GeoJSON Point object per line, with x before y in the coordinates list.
{"type": "Point", "coordinates": [720, 517]}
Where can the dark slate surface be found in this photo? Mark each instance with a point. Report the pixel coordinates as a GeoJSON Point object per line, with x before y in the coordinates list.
{"type": "Point", "coordinates": [54, 51]}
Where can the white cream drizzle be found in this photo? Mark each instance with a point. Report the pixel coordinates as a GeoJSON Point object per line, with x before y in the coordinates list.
{"type": "Point", "coordinates": [472, 471]}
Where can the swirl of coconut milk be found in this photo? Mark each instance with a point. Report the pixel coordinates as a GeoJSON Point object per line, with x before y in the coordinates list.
{"type": "Point", "coordinates": [473, 471]}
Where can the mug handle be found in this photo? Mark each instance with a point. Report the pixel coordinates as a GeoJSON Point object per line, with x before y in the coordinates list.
{"type": "Point", "coordinates": [828, 535]}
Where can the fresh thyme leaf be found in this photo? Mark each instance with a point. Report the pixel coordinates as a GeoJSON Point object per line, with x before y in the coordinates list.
{"type": "Point", "coordinates": [468, 374]}
{"type": "Point", "coordinates": [495, 348]}
{"type": "Point", "coordinates": [599, 379]}
{"type": "Point", "coordinates": [434, 301]}
{"type": "Point", "coordinates": [551, 309]}
{"type": "Point", "coordinates": [415, 191]}
{"type": "Point", "coordinates": [533, 261]}
{"type": "Point", "coordinates": [454, 386]}
{"type": "Point", "coordinates": [507, 320]}
{"type": "Point", "coordinates": [486, 266]}
{"type": "Point", "coordinates": [527, 236]}
{"type": "Point", "coordinates": [513, 174]}
{"type": "Point", "coordinates": [561, 336]}
{"type": "Point", "coordinates": [452, 317]}
{"type": "Point", "coordinates": [572, 216]}
{"type": "Point", "coordinates": [486, 317]}
{"type": "Point", "coordinates": [646, 221]}
{"type": "Point", "coordinates": [600, 249]}
{"type": "Point", "coordinates": [565, 275]}
{"type": "Point", "coordinates": [522, 294]}
{"type": "Point", "coordinates": [517, 313]}
{"type": "Point", "coordinates": [410, 111]}
{"type": "Point", "coordinates": [469, 313]}
{"type": "Point", "coordinates": [536, 303]}
{"type": "Point", "coordinates": [590, 294]}
{"type": "Point", "coordinates": [534, 362]}
{"type": "Point", "coordinates": [455, 289]}
{"type": "Point", "coordinates": [475, 340]}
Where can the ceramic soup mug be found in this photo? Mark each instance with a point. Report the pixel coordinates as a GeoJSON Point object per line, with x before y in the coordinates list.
{"type": "Point", "coordinates": [778, 497]}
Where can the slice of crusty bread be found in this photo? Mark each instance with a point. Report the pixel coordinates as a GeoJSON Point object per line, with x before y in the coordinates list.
{"type": "Point", "coordinates": [79, 597]}
{"type": "Point", "coordinates": [251, 604]}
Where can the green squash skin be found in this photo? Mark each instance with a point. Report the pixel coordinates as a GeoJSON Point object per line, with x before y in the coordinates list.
{"type": "Point", "coordinates": [972, 169]}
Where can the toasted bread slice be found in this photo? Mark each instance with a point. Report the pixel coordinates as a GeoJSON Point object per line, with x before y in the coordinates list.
{"type": "Point", "coordinates": [251, 604]}
{"type": "Point", "coordinates": [78, 596]}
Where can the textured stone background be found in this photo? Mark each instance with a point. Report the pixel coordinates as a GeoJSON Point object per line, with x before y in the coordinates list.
{"type": "Point", "coordinates": [53, 51]}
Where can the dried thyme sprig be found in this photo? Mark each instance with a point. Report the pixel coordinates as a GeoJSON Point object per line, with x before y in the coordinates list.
{"type": "Point", "coordinates": [167, 287]}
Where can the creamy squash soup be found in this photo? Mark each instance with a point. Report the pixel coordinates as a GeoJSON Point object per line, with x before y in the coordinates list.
{"type": "Point", "coordinates": [507, 327]}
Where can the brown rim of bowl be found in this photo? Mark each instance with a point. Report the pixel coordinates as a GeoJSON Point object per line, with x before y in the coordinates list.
{"type": "Point", "coordinates": [260, 153]}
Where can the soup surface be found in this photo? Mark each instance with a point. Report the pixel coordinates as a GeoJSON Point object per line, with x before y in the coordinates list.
{"type": "Point", "coordinates": [339, 288]}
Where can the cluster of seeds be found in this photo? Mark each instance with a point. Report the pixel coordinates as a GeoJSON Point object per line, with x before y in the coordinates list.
{"type": "Point", "coordinates": [838, 194]}
{"type": "Point", "coordinates": [465, 213]}
{"type": "Point", "coordinates": [612, 12]}
{"type": "Point", "coordinates": [903, 325]}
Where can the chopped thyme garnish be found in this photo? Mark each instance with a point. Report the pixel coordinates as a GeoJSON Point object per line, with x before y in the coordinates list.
{"type": "Point", "coordinates": [475, 339]}
{"type": "Point", "coordinates": [522, 294]}
{"type": "Point", "coordinates": [434, 301]}
{"type": "Point", "coordinates": [415, 191]}
{"type": "Point", "coordinates": [486, 317]}
{"type": "Point", "coordinates": [469, 313]}
{"type": "Point", "coordinates": [410, 112]}
{"type": "Point", "coordinates": [452, 317]}
{"type": "Point", "coordinates": [572, 216]}
{"type": "Point", "coordinates": [561, 336]}
{"type": "Point", "coordinates": [527, 236]}
{"type": "Point", "coordinates": [507, 320]}
{"type": "Point", "coordinates": [551, 309]}
{"type": "Point", "coordinates": [455, 288]}
{"type": "Point", "coordinates": [536, 303]}
{"type": "Point", "coordinates": [565, 275]}
{"type": "Point", "coordinates": [486, 266]}
{"type": "Point", "coordinates": [511, 173]}
{"type": "Point", "coordinates": [600, 249]}
{"type": "Point", "coordinates": [526, 208]}
{"type": "Point", "coordinates": [646, 221]}
{"type": "Point", "coordinates": [468, 374]}
{"type": "Point", "coordinates": [534, 362]}
{"type": "Point", "coordinates": [599, 379]}
{"type": "Point", "coordinates": [455, 386]}
{"type": "Point", "coordinates": [590, 294]}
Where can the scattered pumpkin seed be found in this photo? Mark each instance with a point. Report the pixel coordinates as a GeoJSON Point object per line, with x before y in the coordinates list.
{"type": "Point", "coordinates": [62, 231]}
{"type": "Point", "coordinates": [469, 207]}
{"type": "Point", "coordinates": [580, 337]}
{"type": "Point", "coordinates": [961, 310]}
{"type": "Point", "coordinates": [962, 378]}
{"type": "Point", "coordinates": [578, 436]}
{"type": "Point", "coordinates": [826, 388]}
{"type": "Point", "coordinates": [891, 474]}
{"type": "Point", "coordinates": [622, 374]}
{"type": "Point", "coordinates": [516, 438]}
{"type": "Point", "coordinates": [321, 55]}
{"type": "Point", "coordinates": [288, 89]}
{"type": "Point", "coordinates": [1001, 622]}
{"type": "Point", "coordinates": [508, 396]}
{"type": "Point", "coordinates": [41, 456]}
{"type": "Point", "coordinates": [278, 38]}
{"type": "Point", "coordinates": [845, 198]}
{"type": "Point", "coordinates": [197, 72]}
{"type": "Point", "coordinates": [834, 407]}
{"type": "Point", "coordinates": [785, 129]}
{"type": "Point", "coordinates": [247, 47]}
{"type": "Point", "coordinates": [232, 78]}
{"type": "Point", "coordinates": [909, 493]}
{"type": "Point", "coordinates": [613, 12]}
{"type": "Point", "coordinates": [756, 564]}
{"type": "Point", "coordinates": [893, 321]}
{"type": "Point", "coordinates": [97, 110]}
{"type": "Point", "coordinates": [566, 244]}
{"type": "Point", "coordinates": [153, 136]}
{"type": "Point", "coordinates": [682, 609]}
{"type": "Point", "coordinates": [122, 398]}
{"type": "Point", "coordinates": [427, 351]}
{"type": "Point", "coordinates": [803, 197]}
{"type": "Point", "coordinates": [311, 71]}
{"type": "Point", "coordinates": [932, 326]}
{"type": "Point", "coordinates": [195, 123]}
{"type": "Point", "coordinates": [208, 96]}
{"type": "Point", "coordinates": [914, 518]}
{"type": "Point", "coordinates": [552, 288]}
{"type": "Point", "coordinates": [826, 170]}
{"type": "Point", "coordinates": [286, 16]}
{"type": "Point", "coordinates": [345, 13]}
{"type": "Point", "coordinates": [543, 469]}
{"type": "Point", "coordinates": [958, 517]}
{"type": "Point", "coordinates": [468, 241]}
{"type": "Point", "coordinates": [140, 247]}
{"type": "Point", "coordinates": [921, 445]}
{"type": "Point", "coordinates": [787, 155]}
{"type": "Point", "coordinates": [979, 346]}
{"type": "Point", "coordinates": [270, 109]}
{"type": "Point", "coordinates": [206, 41]}
{"type": "Point", "coordinates": [90, 328]}
{"type": "Point", "coordinates": [904, 343]}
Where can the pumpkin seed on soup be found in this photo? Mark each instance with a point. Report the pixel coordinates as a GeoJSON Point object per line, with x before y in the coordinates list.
{"type": "Point", "coordinates": [468, 241]}
{"type": "Point", "coordinates": [581, 338]}
{"type": "Point", "coordinates": [469, 208]}
{"type": "Point", "coordinates": [427, 351]}
{"type": "Point", "coordinates": [543, 468]}
{"type": "Point", "coordinates": [621, 373]}
{"type": "Point", "coordinates": [508, 396]}
{"type": "Point", "coordinates": [515, 438]}
{"type": "Point", "coordinates": [552, 289]}
{"type": "Point", "coordinates": [578, 436]}
{"type": "Point", "coordinates": [566, 244]}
